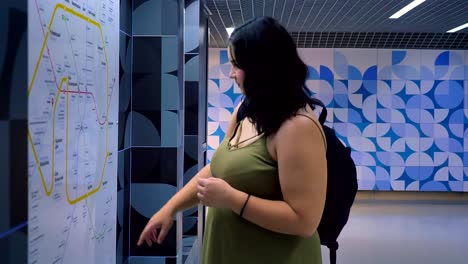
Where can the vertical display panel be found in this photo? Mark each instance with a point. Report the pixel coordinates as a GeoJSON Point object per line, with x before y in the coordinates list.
{"type": "Point", "coordinates": [73, 86]}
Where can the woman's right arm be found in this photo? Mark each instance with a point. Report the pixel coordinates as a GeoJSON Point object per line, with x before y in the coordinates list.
{"type": "Point", "coordinates": [184, 199]}
{"type": "Point", "coordinates": [161, 222]}
{"type": "Point", "coordinates": [187, 198]}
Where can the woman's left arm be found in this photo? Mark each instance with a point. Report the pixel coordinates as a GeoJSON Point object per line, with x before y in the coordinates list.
{"type": "Point", "coordinates": [302, 169]}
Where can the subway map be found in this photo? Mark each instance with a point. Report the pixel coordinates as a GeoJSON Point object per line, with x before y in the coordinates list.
{"type": "Point", "coordinates": [73, 59]}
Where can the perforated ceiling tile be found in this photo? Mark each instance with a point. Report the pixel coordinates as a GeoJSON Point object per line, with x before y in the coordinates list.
{"type": "Point", "coordinates": [349, 23]}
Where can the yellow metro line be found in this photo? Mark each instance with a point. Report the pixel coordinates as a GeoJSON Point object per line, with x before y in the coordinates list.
{"type": "Point", "coordinates": [48, 191]}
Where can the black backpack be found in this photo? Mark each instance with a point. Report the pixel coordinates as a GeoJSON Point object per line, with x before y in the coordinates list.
{"type": "Point", "coordinates": [341, 184]}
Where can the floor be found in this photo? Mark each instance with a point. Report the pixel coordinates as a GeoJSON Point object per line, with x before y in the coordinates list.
{"type": "Point", "coordinates": [404, 232]}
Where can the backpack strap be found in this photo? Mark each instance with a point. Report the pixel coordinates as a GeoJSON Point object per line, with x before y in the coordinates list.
{"type": "Point", "coordinates": [332, 247]}
{"type": "Point", "coordinates": [312, 101]}
{"type": "Point", "coordinates": [323, 114]}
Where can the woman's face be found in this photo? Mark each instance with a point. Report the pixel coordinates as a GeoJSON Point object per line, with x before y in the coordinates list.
{"type": "Point", "coordinates": [236, 74]}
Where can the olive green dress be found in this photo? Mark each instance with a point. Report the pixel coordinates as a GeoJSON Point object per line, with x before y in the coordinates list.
{"type": "Point", "coordinates": [230, 239]}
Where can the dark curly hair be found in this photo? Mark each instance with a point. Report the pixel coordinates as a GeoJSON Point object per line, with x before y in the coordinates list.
{"type": "Point", "coordinates": [274, 73]}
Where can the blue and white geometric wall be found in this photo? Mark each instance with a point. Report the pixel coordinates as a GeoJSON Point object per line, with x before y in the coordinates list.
{"type": "Point", "coordinates": [403, 112]}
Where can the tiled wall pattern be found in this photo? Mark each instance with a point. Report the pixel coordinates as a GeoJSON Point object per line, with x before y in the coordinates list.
{"type": "Point", "coordinates": [195, 59]}
{"type": "Point", "coordinates": [160, 122]}
{"type": "Point", "coordinates": [13, 138]}
{"type": "Point", "coordinates": [154, 128]}
{"type": "Point", "coordinates": [403, 112]}
{"type": "Point", "coordinates": [124, 137]}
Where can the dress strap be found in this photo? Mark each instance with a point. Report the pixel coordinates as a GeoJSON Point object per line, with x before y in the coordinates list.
{"type": "Point", "coordinates": [319, 127]}
{"type": "Point", "coordinates": [237, 134]}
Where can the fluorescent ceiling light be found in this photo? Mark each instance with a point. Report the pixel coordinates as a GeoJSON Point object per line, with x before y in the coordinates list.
{"type": "Point", "coordinates": [407, 8]}
{"type": "Point", "coordinates": [229, 30]}
{"type": "Point", "coordinates": [458, 28]}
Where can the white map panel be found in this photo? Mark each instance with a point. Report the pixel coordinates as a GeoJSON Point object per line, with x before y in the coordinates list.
{"type": "Point", "coordinates": [73, 58]}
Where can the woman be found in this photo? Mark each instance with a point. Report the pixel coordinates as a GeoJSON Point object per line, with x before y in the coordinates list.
{"type": "Point", "coordinates": [266, 184]}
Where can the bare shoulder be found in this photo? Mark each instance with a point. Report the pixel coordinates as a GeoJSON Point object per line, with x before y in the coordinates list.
{"type": "Point", "coordinates": [299, 125]}
{"type": "Point", "coordinates": [301, 130]}
{"type": "Point", "coordinates": [303, 123]}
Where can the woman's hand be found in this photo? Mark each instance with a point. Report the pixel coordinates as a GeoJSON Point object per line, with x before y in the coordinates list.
{"type": "Point", "coordinates": [161, 222]}
{"type": "Point", "coordinates": [215, 192]}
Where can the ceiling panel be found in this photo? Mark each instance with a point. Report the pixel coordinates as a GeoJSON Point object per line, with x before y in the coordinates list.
{"type": "Point", "coordinates": [349, 23]}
